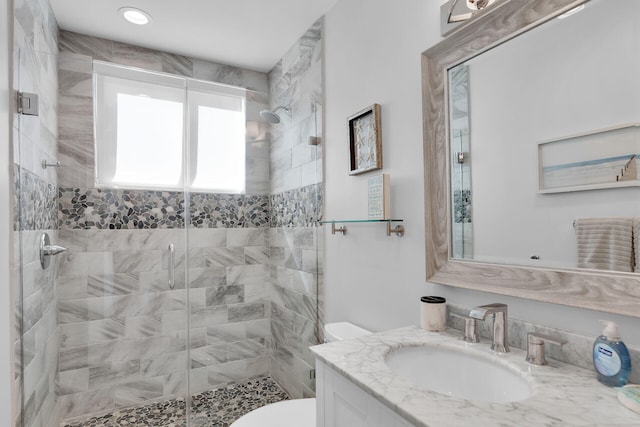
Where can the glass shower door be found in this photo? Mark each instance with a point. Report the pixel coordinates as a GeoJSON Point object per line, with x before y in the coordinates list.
{"type": "Point", "coordinates": [35, 215]}
{"type": "Point", "coordinates": [228, 260]}
{"type": "Point", "coordinates": [121, 287]}
{"type": "Point", "coordinates": [101, 328]}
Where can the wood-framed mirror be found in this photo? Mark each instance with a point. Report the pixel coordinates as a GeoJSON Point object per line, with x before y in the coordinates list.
{"type": "Point", "coordinates": [608, 291]}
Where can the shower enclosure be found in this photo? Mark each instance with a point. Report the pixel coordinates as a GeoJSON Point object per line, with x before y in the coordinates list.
{"type": "Point", "coordinates": [173, 292]}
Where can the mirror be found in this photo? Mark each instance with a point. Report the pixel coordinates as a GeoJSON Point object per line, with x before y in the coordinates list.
{"type": "Point", "coordinates": [528, 134]}
{"type": "Point", "coordinates": [454, 181]}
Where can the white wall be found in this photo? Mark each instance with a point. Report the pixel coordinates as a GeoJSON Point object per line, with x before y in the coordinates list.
{"type": "Point", "coordinates": [373, 56]}
{"type": "Point", "coordinates": [372, 53]}
{"type": "Point", "coordinates": [6, 341]}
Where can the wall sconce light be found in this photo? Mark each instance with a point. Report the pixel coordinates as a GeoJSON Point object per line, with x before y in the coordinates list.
{"type": "Point", "coordinates": [461, 10]}
{"type": "Point", "coordinates": [453, 12]}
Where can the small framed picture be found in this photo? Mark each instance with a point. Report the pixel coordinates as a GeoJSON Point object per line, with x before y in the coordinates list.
{"type": "Point", "coordinates": [365, 141]}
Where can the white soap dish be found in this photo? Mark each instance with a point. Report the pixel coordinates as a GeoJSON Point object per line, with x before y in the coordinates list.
{"type": "Point", "coordinates": [629, 396]}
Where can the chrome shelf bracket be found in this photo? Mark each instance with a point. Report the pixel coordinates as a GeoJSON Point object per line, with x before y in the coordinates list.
{"type": "Point", "coordinates": [398, 230]}
{"type": "Point", "coordinates": [335, 229]}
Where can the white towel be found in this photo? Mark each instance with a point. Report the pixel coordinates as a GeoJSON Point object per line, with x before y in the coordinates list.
{"type": "Point", "coordinates": [605, 243]}
{"type": "Point", "coordinates": [636, 242]}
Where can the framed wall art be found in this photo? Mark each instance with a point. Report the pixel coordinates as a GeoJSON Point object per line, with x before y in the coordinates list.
{"type": "Point", "coordinates": [605, 158]}
{"type": "Point", "coordinates": [365, 141]}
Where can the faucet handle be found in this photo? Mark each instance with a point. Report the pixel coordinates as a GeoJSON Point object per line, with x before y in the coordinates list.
{"type": "Point", "coordinates": [470, 328]}
{"type": "Point", "coordinates": [535, 347]}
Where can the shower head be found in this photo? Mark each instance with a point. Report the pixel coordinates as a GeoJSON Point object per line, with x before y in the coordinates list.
{"type": "Point", "coordinates": [271, 116]}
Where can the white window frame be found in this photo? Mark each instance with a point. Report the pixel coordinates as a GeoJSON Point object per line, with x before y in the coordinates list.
{"type": "Point", "coordinates": [190, 92]}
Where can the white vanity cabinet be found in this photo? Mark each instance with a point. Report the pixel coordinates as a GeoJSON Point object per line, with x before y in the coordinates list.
{"type": "Point", "coordinates": [341, 403]}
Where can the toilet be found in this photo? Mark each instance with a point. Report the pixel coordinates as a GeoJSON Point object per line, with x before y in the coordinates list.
{"type": "Point", "coordinates": [298, 412]}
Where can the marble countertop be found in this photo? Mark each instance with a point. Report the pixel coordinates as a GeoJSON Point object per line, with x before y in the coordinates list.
{"type": "Point", "coordinates": [563, 395]}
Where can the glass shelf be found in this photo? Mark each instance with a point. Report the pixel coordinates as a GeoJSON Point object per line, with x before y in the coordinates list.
{"type": "Point", "coordinates": [335, 221]}
{"type": "Point", "coordinates": [398, 230]}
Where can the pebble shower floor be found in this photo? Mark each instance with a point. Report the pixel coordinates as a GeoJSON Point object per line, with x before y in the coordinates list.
{"type": "Point", "coordinates": [215, 408]}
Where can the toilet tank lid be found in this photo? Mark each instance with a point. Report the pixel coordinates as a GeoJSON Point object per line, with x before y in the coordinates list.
{"type": "Point", "coordinates": [340, 331]}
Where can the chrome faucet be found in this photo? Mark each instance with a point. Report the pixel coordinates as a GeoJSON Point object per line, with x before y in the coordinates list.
{"type": "Point", "coordinates": [499, 343]}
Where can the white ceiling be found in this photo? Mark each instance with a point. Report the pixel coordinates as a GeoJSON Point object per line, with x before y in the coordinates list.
{"type": "Point", "coordinates": [252, 34]}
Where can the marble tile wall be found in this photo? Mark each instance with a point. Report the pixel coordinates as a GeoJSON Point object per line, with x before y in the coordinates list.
{"type": "Point", "coordinates": [76, 145]}
{"type": "Point", "coordinates": [294, 306]}
{"type": "Point", "coordinates": [296, 81]}
{"type": "Point", "coordinates": [40, 338]}
{"type": "Point", "coordinates": [296, 207]}
{"type": "Point", "coordinates": [102, 329]}
{"type": "Point", "coordinates": [284, 152]}
{"type": "Point", "coordinates": [124, 334]}
{"type": "Point", "coordinates": [36, 297]}
{"type": "Point", "coordinates": [34, 53]}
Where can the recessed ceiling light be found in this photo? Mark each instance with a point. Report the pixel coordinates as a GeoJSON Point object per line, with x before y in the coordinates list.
{"type": "Point", "coordinates": [135, 15]}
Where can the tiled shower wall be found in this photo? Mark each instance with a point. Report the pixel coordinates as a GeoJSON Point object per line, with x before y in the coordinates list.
{"type": "Point", "coordinates": [296, 206]}
{"type": "Point", "coordinates": [77, 51]}
{"type": "Point", "coordinates": [35, 46]}
{"type": "Point", "coordinates": [119, 333]}
{"type": "Point", "coordinates": [123, 332]}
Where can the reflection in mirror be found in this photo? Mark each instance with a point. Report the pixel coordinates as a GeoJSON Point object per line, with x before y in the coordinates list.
{"type": "Point", "coordinates": [460, 163]}
{"type": "Point", "coordinates": [538, 110]}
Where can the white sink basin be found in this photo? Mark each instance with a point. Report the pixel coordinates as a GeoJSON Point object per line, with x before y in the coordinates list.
{"type": "Point", "coordinates": [458, 374]}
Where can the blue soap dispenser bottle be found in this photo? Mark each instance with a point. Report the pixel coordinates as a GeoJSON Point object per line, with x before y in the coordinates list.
{"type": "Point", "coordinates": [611, 357]}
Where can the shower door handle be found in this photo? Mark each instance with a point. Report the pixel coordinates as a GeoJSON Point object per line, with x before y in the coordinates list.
{"type": "Point", "coordinates": [172, 266]}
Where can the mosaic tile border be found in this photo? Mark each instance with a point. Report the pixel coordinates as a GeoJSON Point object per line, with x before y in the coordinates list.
{"type": "Point", "coordinates": [45, 207]}
{"type": "Point", "coordinates": [35, 202]}
{"type": "Point", "coordinates": [219, 407]}
{"type": "Point", "coordinates": [462, 206]}
{"type": "Point", "coordinates": [257, 211]}
{"type": "Point", "coordinates": [15, 171]}
{"type": "Point", "coordinates": [130, 209]}
{"type": "Point", "coordinates": [81, 208]}
{"type": "Point", "coordinates": [301, 207]}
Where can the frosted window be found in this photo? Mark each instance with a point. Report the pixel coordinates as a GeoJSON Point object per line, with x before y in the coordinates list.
{"type": "Point", "coordinates": [141, 122]}
{"type": "Point", "coordinates": [148, 141]}
{"type": "Point", "coordinates": [221, 150]}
